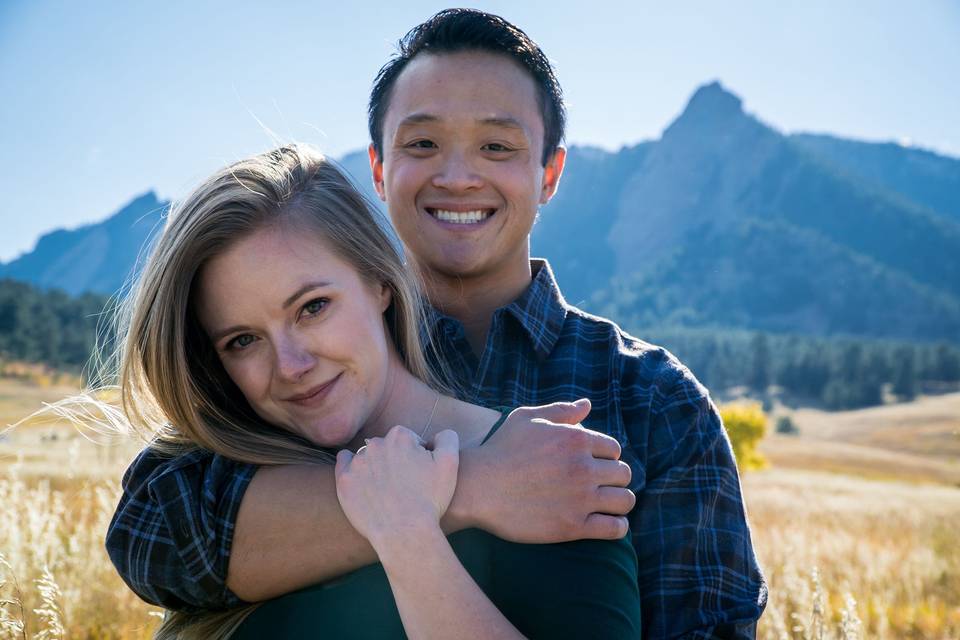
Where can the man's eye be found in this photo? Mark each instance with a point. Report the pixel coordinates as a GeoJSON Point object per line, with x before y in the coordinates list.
{"type": "Point", "coordinates": [422, 144]}
{"type": "Point", "coordinates": [496, 146]}
{"type": "Point", "coordinates": [241, 341]}
{"type": "Point", "coordinates": [314, 307]}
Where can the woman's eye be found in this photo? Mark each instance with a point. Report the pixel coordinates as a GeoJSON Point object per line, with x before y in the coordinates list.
{"type": "Point", "coordinates": [241, 341]}
{"type": "Point", "coordinates": [314, 307]}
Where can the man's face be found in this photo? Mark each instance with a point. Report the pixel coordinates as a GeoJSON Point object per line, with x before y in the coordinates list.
{"type": "Point", "coordinates": [461, 170]}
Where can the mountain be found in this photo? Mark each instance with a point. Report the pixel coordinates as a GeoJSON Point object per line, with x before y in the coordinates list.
{"type": "Point", "coordinates": [915, 174]}
{"type": "Point", "coordinates": [96, 257]}
{"type": "Point", "coordinates": [725, 221]}
{"type": "Point", "coordinates": [722, 222]}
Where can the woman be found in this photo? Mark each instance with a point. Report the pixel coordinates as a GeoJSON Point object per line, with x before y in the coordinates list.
{"type": "Point", "coordinates": [275, 323]}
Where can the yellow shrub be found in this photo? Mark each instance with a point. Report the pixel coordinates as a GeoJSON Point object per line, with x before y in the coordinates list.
{"type": "Point", "coordinates": [746, 424]}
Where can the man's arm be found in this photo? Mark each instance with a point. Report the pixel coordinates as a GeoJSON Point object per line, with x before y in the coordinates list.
{"type": "Point", "coordinates": [534, 481]}
{"type": "Point", "coordinates": [171, 534]}
{"type": "Point", "coordinates": [698, 577]}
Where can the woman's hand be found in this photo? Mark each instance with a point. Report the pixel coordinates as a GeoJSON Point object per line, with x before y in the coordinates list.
{"type": "Point", "coordinates": [393, 487]}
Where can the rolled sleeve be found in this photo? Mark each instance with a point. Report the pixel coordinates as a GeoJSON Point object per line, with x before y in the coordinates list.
{"type": "Point", "coordinates": [171, 535]}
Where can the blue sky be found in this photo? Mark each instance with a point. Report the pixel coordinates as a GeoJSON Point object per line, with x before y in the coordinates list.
{"type": "Point", "coordinates": [102, 101]}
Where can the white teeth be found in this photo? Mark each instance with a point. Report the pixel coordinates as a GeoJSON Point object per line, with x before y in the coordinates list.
{"type": "Point", "coordinates": [461, 217]}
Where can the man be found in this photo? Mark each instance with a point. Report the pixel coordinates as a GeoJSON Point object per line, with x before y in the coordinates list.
{"type": "Point", "coordinates": [466, 125]}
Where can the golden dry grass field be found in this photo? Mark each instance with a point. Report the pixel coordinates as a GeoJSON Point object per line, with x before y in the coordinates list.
{"type": "Point", "coordinates": [855, 523]}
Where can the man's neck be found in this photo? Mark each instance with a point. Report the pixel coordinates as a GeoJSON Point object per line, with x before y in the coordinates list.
{"type": "Point", "coordinates": [472, 301]}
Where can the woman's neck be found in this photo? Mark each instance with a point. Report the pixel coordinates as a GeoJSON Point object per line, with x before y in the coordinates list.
{"type": "Point", "coordinates": [410, 402]}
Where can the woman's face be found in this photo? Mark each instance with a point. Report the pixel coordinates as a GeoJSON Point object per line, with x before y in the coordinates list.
{"type": "Point", "coordinates": [299, 332]}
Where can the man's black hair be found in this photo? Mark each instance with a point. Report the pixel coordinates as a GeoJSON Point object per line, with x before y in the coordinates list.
{"type": "Point", "coordinates": [456, 30]}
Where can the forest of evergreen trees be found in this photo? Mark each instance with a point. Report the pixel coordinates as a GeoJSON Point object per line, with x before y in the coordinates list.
{"type": "Point", "coordinates": [837, 373]}
{"type": "Point", "coordinates": [53, 328]}
{"type": "Point", "coordinates": [48, 327]}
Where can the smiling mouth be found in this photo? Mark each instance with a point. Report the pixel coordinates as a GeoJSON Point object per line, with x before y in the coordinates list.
{"type": "Point", "coordinates": [461, 217]}
{"type": "Point", "coordinates": [314, 395]}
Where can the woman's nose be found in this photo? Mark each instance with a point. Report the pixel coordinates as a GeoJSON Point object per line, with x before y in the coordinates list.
{"type": "Point", "coordinates": [294, 360]}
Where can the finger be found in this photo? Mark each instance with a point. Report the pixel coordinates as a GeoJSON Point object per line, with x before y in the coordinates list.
{"type": "Point", "coordinates": [603, 446]}
{"type": "Point", "coordinates": [615, 501]}
{"type": "Point", "coordinates": [560, 412]}
{"type": "Point", "coordinates": [603, 527]}
{"type": "Point", "coordinates": [446, 444]}
{"type": "Point", "coordinates": [614, 473]}
{"type": "Point", "coordinates": [402, 434]}
{"type": "Point", "coordinates": [344, 458]}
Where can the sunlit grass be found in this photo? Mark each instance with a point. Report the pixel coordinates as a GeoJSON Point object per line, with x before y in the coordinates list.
{"type": "Point", "coordinates": [845, 556]}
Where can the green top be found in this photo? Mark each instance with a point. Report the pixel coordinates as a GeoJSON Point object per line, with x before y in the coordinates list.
{"type": "Point", "coordinates": [581, 589]}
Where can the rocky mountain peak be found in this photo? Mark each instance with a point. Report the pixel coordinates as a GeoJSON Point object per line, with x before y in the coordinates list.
{"type": "Point", "coordinates": [711, 108]}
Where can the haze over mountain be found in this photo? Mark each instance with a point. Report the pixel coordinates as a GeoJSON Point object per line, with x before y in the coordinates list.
{"type": "Point", "coordinates": [95, 257]}
{"type": "Point", "coordinates": [722, 222]}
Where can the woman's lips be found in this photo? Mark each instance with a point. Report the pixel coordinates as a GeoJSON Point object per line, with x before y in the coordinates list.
{"type": "Point", "coordinates": [314, 396]}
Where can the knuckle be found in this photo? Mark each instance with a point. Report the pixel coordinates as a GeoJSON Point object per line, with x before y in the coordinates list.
{"type": "Point", "coordinates": [403, 434]}
{"type": "Point", "coordinates": [580, 470]}
{"type": "Point", "coordinates": [579, 439]}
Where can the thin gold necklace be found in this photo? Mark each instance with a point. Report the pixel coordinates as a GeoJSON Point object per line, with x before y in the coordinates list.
{"type": "Point", "coordinates": [432, 413]}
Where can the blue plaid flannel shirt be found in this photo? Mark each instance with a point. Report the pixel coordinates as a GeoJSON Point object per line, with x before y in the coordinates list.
{"type": "Point", "coordinates": [698, 576]}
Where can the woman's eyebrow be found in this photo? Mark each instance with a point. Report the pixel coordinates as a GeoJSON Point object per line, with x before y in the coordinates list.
{"type": "Point", "coordinates": [220, 335]}
{"type": "Point", "coordinates": [309, 286]}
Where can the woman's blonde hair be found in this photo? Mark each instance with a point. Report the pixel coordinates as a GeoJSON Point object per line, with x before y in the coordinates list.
{"type": "Point", "coordinates": [171, 381]}
{"type": "Point", "coordinates": [173, 388]}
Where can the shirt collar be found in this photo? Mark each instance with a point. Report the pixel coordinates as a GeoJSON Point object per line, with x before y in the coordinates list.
{"type": "Point", "coordinates": [541, 309]}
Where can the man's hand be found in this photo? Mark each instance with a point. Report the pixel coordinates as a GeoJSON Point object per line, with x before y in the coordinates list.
{"type": "Point", "coordinates": [544, 478]}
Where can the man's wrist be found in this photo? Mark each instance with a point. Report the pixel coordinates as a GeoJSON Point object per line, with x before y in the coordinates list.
{"type": "Point", "coordinates": [464, 511]}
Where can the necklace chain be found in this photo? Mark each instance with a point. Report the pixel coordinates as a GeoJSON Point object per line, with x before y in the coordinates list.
{"type": "Point", "coordinates": [432, 413]}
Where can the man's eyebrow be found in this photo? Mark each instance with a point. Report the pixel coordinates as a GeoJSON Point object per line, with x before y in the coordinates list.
{"type": "Point", "coordinates": [506, 121]}
{"type": "Point", "coordinates": [495, 121]}
{"type": "Point", "coordinates": [418, 118]}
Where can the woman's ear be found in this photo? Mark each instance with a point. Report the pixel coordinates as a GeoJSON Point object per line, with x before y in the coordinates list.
{"type": "Point", "coordinates": [386, 297]}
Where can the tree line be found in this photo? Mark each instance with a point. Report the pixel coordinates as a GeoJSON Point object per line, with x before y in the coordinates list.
{"type": "Point", "coordinates": [836, 372]}
{"type": "Point", "coordinates": [48, 326]}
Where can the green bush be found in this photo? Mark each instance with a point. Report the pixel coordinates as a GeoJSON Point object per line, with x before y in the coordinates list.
{"type": "Point", "coordinates": [785, 425]}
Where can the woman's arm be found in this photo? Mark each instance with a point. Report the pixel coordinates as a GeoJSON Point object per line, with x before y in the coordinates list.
{"type": "Point", "coordinates": [394, 493]}
{"type": "Point", "coordinates": [537, 480]}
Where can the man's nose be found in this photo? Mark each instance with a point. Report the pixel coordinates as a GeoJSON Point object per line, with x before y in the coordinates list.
{"type": "Point", "coordinates": [294, 360]}
{"type": "Point", "coordinates": [457, 173]}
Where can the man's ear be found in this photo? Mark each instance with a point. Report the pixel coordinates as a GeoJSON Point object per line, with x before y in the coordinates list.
{"type": "Point", "coordinates": [376, 170]}
{"type": "Point", "coordinates": [551, 174]}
